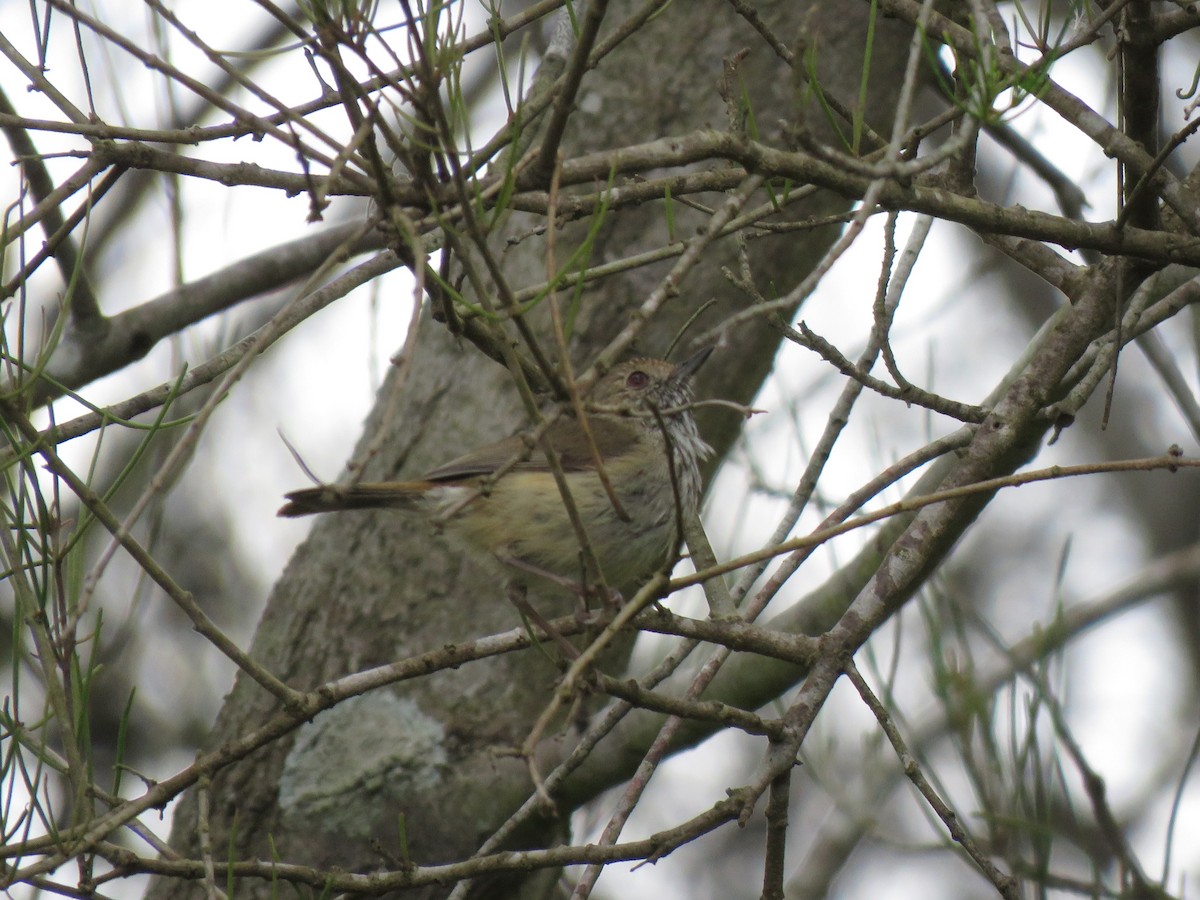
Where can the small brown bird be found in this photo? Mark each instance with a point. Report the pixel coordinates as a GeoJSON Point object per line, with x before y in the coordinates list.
{"type": "Point", "coordinates": [521, 519]}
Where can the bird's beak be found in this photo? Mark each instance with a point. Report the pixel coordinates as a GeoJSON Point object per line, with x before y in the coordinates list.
{"type": "Point", "coordinates": [688, 367]}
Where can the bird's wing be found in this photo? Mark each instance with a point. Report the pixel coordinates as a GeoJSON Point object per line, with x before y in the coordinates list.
{"type": "Point", "coordinates": [612, 437]}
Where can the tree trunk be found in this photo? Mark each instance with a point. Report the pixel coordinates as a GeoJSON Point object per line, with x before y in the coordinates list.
{"type": "Point", "coordinates": [369, 588]}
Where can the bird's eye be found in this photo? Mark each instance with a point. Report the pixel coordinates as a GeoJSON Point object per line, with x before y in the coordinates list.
{"type": "Point", "coordinates": [637, 380]}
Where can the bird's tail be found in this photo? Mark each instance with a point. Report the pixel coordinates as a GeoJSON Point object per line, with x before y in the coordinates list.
{"type": "Point", "coordinates": [332, 497]}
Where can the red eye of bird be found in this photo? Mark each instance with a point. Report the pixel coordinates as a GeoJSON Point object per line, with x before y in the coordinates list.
{"type": "Point", "coordinates": [637, 380]}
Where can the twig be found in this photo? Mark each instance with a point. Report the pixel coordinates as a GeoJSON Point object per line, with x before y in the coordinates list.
{"type": "Point", "coordinates": [1169, 462]}
{"type": "Point", "coordinates": [711, 711]}
{"type": "Point", "coordinates": [778, 802]}
{"type": "Point", "coordinates": [564, 100]}
{"type": "Point", "coordinates": [202, 828]}
{"type": "Point", "coordinates": [219, 364]}
{"type": "Point", "coordinates": [720, 601]}
{"type": "Point", "coordinates": [907, 392]}
{"type": "Point", "coordinates": [183, 599]}
{"type": "Point", "coordinates": [1005, 884]}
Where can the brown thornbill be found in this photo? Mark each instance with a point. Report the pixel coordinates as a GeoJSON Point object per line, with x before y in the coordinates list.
{"type": "Point", "coordinates": [641, 426]}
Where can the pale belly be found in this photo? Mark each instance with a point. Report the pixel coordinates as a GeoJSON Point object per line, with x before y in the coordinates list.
{"type": "Point", "coordinates": [525, 517]}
